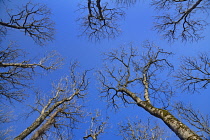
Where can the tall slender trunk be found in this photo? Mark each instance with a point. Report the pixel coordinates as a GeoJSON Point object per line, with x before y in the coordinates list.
{"type": "Point", "coordinates": [45, 126]}
{"type": "Point", "coordinates": [42, 118]}
{"type": "Point", "coordinates": [179, 128]}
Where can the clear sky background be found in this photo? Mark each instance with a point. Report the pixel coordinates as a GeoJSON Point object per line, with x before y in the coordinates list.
{"type": "Point", "coordinates": [136, 28]}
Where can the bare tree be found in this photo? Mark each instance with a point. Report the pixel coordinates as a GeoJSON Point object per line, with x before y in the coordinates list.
{"type": "Point", "coordinates": [16, 70]}
{"type": "Point", "coordinates": [137, 80]}
{"type": "Point", "coordinates": [97, 127]}
{"type": "Point", "coordinates": [194, 73]}
{"type": "Point", "coordinates": [198, 120]}
{"type": "Point", "coordinates": [60, 106]}
{"type": "Point", "coordinates": [181, 22]}
{"type": "Point", "coordinates": [2, 32]}
{"type": "Point", "coordinates": [5, 117]}
{"type": "Point", "coordinates": [100, 21]}
{"type": "Point", "coordinates": [184, 23]}
{"type": "Point", "coordinates": [4, 134]}
{"type": "Point", "coordinates": [193, 76]}
{"type": "Point", "coordinates": [126, 2]}
{"type": "Point", "coordinates": [140, 130]}
{"type": "Point", "coordinates": [33, 19]}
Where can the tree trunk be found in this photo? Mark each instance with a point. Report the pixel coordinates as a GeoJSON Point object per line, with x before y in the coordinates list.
{"type": "Point", "coordinates": [42, 118]}
{"type": "Point", "coordinates": [45, 126]}
{"type": "Point", "coordinates": [180, 129]}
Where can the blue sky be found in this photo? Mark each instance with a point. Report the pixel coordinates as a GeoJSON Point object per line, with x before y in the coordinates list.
{"type": "Point", "coordinates": [136, 27]}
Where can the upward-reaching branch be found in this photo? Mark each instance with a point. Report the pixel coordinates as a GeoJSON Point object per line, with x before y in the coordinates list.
{"type": "Point", "coordinates": [60, 105]}
{"type": "Point", "coordinates": [144, 74]}
{"type": "Point", "coordinates": [182, 24]}
{"type": "Point", "coordinates": [96, 128]}
{"type": "Point", "coordinates": [42, 130]}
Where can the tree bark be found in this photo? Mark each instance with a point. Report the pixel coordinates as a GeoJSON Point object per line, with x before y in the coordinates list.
{"type": "Point", "coordinates": [180, 129]}
{"type": "Point", "coordinates": [45, 126]}
{"type": "Point", "coordinates": [41, 118]}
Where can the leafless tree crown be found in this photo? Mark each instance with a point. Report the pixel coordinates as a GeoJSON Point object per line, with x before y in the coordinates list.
{"type": "Point", "coordinates": [101, 21]}
{"type": "Point", "coordinates": [126, 2]}
{"type": "Point", "coordinates": [58, 108]}
{"type": "Point", "coordinates": [137, 80]}
{"type": "Point", "coordinates": [16, 70]}
{"type": "Point", "coordinates": [187, 21]}
{"type": "Point", "coordinates": [194, 73]}
{"type": "Point", "coordinates": [97, 127]}
{"type": "Point", "coordinates": [140, 130]}
{"type": "Point", "coordinates": [34, 20]}
{"type": "Point", "coordinates": [130, 69]}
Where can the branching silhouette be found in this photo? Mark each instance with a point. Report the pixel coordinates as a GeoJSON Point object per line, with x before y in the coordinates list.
{"type": "Point", "coordinates": [194, 73]}
{"type": "Point", "coordinates": [100, 21]}
{"type": "Point", "coordinates": [96, 128]}
{"type": "Point", "coordinates": [185, 22]}
{"type": "Point", "coordinates": [54, 110]}
{"type": "Point", "coordinates": [16, 70]}
{"type": "Point", "coordinates": [34, 20]}
{"type": "Point", "coordinates": [147, 130]}
{"type": "Point", "coordinates": [128, 72]}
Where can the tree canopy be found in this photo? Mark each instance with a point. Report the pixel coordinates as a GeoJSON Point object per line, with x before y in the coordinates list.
{"type": "Point", "coordinates": [98, 69]}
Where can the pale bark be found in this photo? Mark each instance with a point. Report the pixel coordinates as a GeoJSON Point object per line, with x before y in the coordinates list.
{"type": "Point", "coordinates": [62, 102]}
{"type": "Point", "coordinates": [44, 114]}
{"type": "Point", "coordinates": [96, 128]}
{"type": "Point", "coordinates": [18, 71]}
{"type": "Point", "coordinates": [179, 128]}
{"type": "Point", "coordinates": [46, 126]}
{"type": "Point", "coordinates": [195, 118]}
{"type": "Point", "coordinates": [22, 65]}
{"type": "Point", "coordinates": [132, 74]}
{"type": "Point", "coordinates": [146, 88]}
